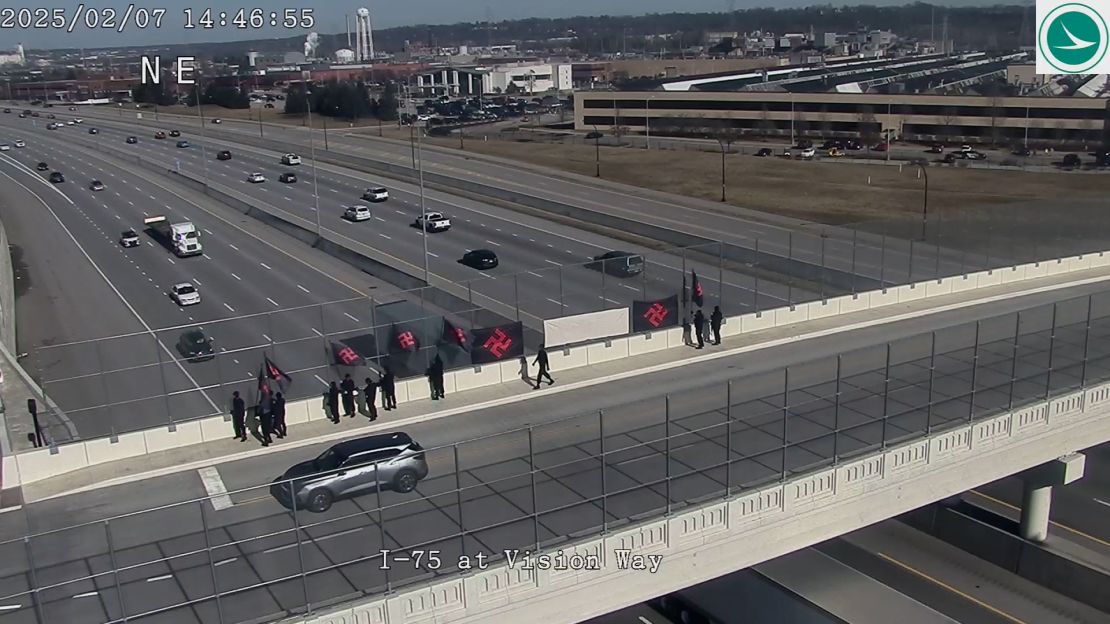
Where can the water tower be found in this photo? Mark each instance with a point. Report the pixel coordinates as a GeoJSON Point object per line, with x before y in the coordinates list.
{"type": "Point", "coordinates": [364, 37]}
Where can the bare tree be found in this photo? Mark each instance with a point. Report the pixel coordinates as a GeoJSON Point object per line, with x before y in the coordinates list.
{"type": "Point", "coordinates": [823, 120]}
{"type": "Point", "coordinates": [765, 124]}
{"type": "Point", "coordinates": [997, 112]}
{"type": "Point", "coordinates": [867, 123]}
{"type": "Point", "coordinates": [947, 120]}
{"type": "Point", "coordinates": [726, 133]}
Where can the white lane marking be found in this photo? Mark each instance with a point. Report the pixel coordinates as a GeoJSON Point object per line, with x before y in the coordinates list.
{"type": "Point", "coordinates": [400, 212]}
{"type": "Point", "coordinates": [171, 260]}
{"type": "Point", "coordinates": [208, 232]}
{"type": "Point", "coordinates": [609, 300]}
{"type": "Point", "coordinates": [644, 620]}
{"type": "Point", "coordinates": [302, 288]}
{"type": "Point", "coordinates": [225, 561]}
{"type": "Point", "coordinates": [320, 380]}
{"type": "Point", "coordinates": [155, 579]}
{"type": "Point", "coordinates": [1101, 502]}
{"type": "Point", "coordinates": [87, 594]}
{"type": "Point", "coordinates": [233, 247]}
{"type": "Point", "coordinates": [273, 302]}
{"type": "Point", "coordinates": [236, 277]}
{"type": "Point", "coordinates": [197, 282]}
{"type": "Point", "coordinates": [351, 317]}
{"type": "Point", "coordinates": [534, 273]}
{"type": "Point", "coordinates": [10, 607]}
{"type": "Point", "coordinates": [315, 539]}
{"type": "Point", "coordinates": [267, 338]}
{"type": "Point", "coordinates": [432, 255]}
{"type": "Point", "coordinates": [265, 266]}
{"type": "Point", "coordinates": [228, 307]}
{"type": "Point", "coordinates": [632, 288]}
{"type": "Point", "coordinates": [553, 301]}
{"type": "Point", "coordinates": [385, 236]}
{"type": "Point", "coordinates": [493, 243]}
{"type": "Point", "coordinates": [553, 262]}
{"type": "Point", "coordinates": [317, 332]}
{"type": "Point", "coordinates": [214, 485]}
{"type": "Point", "coordinates": [206, 256]}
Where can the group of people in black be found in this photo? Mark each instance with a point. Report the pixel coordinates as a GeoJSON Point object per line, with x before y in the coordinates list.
{"type": "Point", "coordinates": [366, 403]}
{"type": "Point", "coordinates": [695, 329]}
{"type": "Point", "coordinates": [271, 418]}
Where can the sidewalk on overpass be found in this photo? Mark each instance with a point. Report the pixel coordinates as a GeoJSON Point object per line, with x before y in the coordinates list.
{"type": "Point", "coordinates": [460, 403]}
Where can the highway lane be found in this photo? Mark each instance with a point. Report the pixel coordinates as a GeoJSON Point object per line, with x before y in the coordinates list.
{"type": "Point", "coordinates": [244, 277]}
{"type": "Point", "coordinates": [877, 258]}
{"type": "Point", "coordinates": [254, 541]}
{"type": "Point", "coordinates": [528, 246]}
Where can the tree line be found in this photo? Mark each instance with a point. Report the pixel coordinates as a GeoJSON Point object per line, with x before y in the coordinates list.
{"type": "Point", "coordinates": [345, 100]}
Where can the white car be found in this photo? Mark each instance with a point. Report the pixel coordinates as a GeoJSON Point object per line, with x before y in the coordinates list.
{"type": "Point", "coordinates": [357, 213]}
{"type": "Point", "coordinates": [290, 159]}
{"type": "Point", "coordinates": [79, 120]}
{"type": "Point", "coordinates": [4, 147]}
{"type": "Point", "coordinates": [185, 294]}
{"type": "Point", "coordinates": [69, 123]}
{"type": "Point", "coordinates": [376, 194]}
{"type": "Point", "coordinates": [808, 153]}
{"type": "Point", "coordinates": [20, 144]}
{"type": "Point", "coordinates": [256, 177]}
{"type": "Point", "coordinates": [435, 222]}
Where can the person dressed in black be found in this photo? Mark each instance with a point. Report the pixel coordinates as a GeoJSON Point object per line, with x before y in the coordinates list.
{"type": "Point", "coordinates": [239, 416]}
{"type": "Point", "coordinates": [265, 422]}
{"type": "Point", "coordinates": [389, 391]}
{"type": "Point", "coordinates": [333, 402]}
{"type": "Point", "coordinates": [699, 328]}
{"type": "Point", "coordinates": [278, 411]}
{"type": "Point", "coordinates": [687, 338]}
{"type": "Point", "coordinates": [541, 361]}
{"type": "Point", "coordinates": [348, 387]}
{"type": "Point", "coordinates": [370, 393]}
{"type": "Point", "coordinates": [435, 376]}
{"type": "Point", "coordinates": [715, 321]}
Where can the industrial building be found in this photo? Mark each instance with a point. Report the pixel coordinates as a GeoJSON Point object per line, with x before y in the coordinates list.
{"type": "Point", "coordinates": [527, 78]}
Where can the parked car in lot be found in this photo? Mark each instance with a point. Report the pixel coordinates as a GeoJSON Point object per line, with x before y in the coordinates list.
{"type": "Point", "coordinates": [129, 238]}
{"type": "Point", "coordinates": [764, 152]}
{"type": "Point", "coordinates": [223, 155]}
{"type": "Point", "coordinates": [1071, 161]}
{"type": "Point", "coordinates": [594, 135]}
{"type": "Point", "coordinates": [375, 194]}
{"type": "Point", "coordinates": [1022, 151]}
{"type": "Point", "coordinates": [852, 144]}
{"type": "Point", "coordinates": [4, 147]}
{"type": "Point", "coordinates": [480, 259]}
{"type": "Point", "coordinates": [936, 148]}
{"type": "Point", "coordinates": [975, 155]}
{"type": "Point", "coordinates": [287, 178]}
{"type": "Point", "coordinates": [435, 222]}
{"type": "Point", "coordinates": [360, 466]}
{"type": "Point", "coordinates": [57, 177]}
{"type": "Point", "coordinates": [808, 153]}
{"type": "Point", "coordinates": [185, 294]}
{"type": "Point", "coordinates": [195, 346]}
{"type": "Point", "coordinates": [835, 152]}
{"type": "Point", "coordinates": [618, 263]}
{"type": "Point", "coordinates": [357, 213]}
{"type": "Point", "coordinates": [217, 121]}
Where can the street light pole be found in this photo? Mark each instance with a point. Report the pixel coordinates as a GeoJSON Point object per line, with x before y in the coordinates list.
{"type": "Point", "coordinates": [597, 153]}
{"type": "Point", "coordinates": [204, 138]}
{"type": "Point", "coordinates": [325, 119]}
{"type": "Point", "coordinates": [312, 150]}
{"type": "Point", "coordinates": [260, 121]}
{"type": "Point", "coordinates": [725, 144]}
{"type": "Point", "coordinates": [924, 203]}
{"type": "Point", "coordinates": [647, 123]}
{"type": "Point", "coordinates": [423, 210]}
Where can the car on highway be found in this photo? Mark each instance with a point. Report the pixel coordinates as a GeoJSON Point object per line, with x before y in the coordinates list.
{"type": "Point", "coordinates": [256, 178]}
{"type": "Point", "coordinates": [831, 143]}
{"type": "Point", "coordinates": [594, 135]}
{"type": "Point", "coordinates": [359, 466]}
{"type": "Point", "coordinates": [183, 143]}
{"type": "Point", "coordinates": [129, 238]}
{"type": "Point", "coordinates": [7, 110]}
{"type": "Point", "coordinates": [435, 222]}
{"type": "Point", "coordinates": [35, 114]}
{"type": "Point", "coordinates": [765, 152]}
{"type": "Point", "coordinates": [23, 115]}
{"type": "Point", "coordinates": [880, 147]}
{"type": "Point", "coordinates": [1071, 160]}
{"type": "Point", "coordinates": [357, 213]}
{"type": "Point", "coordinates": [480, 259]}
{"type": "Point", "coordinates": [223, 155]}
{"type": "Point", "coordinates": [57, 178]}
{"type": "Point", "coordinates": [966, 148]}
{"type": "Point", "coordinates": [217, 121]}
{"type": "Point", "coordinates": [53, 126]}
{"type": "Point", "coordinates": [951, 158]}
{"type": "Point", "coordinates": [1022, 151]}
{"type": "Point", "coordinates": [78, 120]}
{"type": "Point", "coordinates": [5, 147]}
{"type": "Point", "coordinates": [618, 263]}
{"type": "Point", "coordinates": [290, 159]}
{"type": "Point", "coordinates": [93, 131]}
{"type": "Point", "coordinates": [185, 294]}
{"type": "Point", "coordinates": [936, 148]}
{"type": "Point", "coordinates": [287, 178]}
{"type": "Point", "coordinates": [975, 155]}
{"type": "Point", "coordinates": [20, 143]}
{"type": "Point", "coordinates": [159, 135]}
{"type": "Point", "coordinates": [51, 116]}
{"type": "Point", "coordinates": [132, 139]}
{"type": "Point", "coordinates": [195, 346]}
{"type": "Point", "coordinates": [72, 108]}
{"type": "Point", "coordinates": [42, 166]}
{"type": "Point", "coordinates": [96, 185]}
{"type": "Point", "coordinates": [175, 133]}
{"type": "Point", "coordinates": [375, 194]}
{"type": "Point", "coordinates": [69, 123]}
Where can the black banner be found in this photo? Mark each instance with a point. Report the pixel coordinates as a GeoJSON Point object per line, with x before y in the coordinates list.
{"type": "Point", "coordinates": [455, 336]}
{"type": "Point", "coordinates": [403, 340]}
{"type": "Point", "coordinates": [273, 373]}
{"type": "Point", "coordinates": [697, 295]}
{"type": "Point", "coordinates": [497, 344]}
{"type": "Point", "coordinates": [655, 315]}
{"type": "Point", "coordinates": [344, 355]}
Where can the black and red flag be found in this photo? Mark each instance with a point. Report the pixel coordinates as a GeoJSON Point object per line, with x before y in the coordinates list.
{"type": "Point", "coordinates": [654, 315]}
{"type": "Point", "coordinates": [263, 400]}
{"type": "Point", "coordinates": [455, 336]}
{"type": "Point", "coordinates": [345, 355]}
{"type": "Point", "coordinates": [403, 340]}
{"type": "Point", "coordinates": [697, 295]}
{"type": "Point", "coordinates": [273, 373]}
{"type": "Point", "coordinates": [496, 344]}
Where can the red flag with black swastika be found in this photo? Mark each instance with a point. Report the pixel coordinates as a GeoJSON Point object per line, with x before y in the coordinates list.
{"type": "Point", "coordinates": [454, 336]}
{"type": "Point", "coordinates": [344, 355]}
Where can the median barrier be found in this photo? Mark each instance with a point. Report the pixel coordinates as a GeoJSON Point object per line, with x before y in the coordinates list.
{"type": "Point", "coordinates": [648, 342]}
{"type": "Point", "coordinates": [474, 377]}
{"type": "Point", "coordinates": [961, 283]}
{"type": "Point", "coordinates": [216, 428]}
{"type": "Point", "coordinates": [937, 288]}
{"type": "Point", "coordinates": [820, 309]}
{"type": "Point", "coordinates": [568, 357]}
{"type": "Point", "coordinates": [123, 446]}
{"type": "Point", "coordinates": [990, 277]}
{"type": "Point", "coordinates": [607, 350]}
{"type": "Point", "coordinates": [296, 413]}
{"type": "Point", "coordinates": [183, 434]}
{"type": "Point", "coordinates": [1100, 259]}
{"type": "Point", "coordinates": [789, 315]}
{"type": "Point", "coordinates": [883, 297]}
{"type": "Point", "coordinates": [911, 292]}
{"type": "Point", "coordinates": [1038, 269]}
{"type": "Point", "coordinates": [416, 389]}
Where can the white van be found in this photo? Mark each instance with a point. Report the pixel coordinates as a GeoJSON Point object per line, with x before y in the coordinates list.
{"type": "Point", "coordinates": [290, 159]}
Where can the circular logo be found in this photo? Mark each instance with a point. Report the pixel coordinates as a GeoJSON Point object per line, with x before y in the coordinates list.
{"type": "Point", "coordinates": [1072, 38]}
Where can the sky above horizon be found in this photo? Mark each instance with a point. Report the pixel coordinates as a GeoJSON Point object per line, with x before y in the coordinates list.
{"type": "Point", "coordinates": [329, 16]}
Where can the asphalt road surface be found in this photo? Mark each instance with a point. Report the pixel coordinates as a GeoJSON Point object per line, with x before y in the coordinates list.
{"type": "Point", "coordinates": [541, 263]}
{"type": "Point", "coordinates": [253, 551]}
{"type": "Point", "coordinates": [886, 258]}
{"type": "Point", "coordinates": [238, 276]}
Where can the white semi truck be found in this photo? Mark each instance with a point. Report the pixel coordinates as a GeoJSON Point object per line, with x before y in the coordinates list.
{"type": "Point", "coordinates": [183, 238]}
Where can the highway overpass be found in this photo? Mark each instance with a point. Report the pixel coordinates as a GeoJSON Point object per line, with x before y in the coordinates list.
{"type": "Point", "coordinates": [725, 462]}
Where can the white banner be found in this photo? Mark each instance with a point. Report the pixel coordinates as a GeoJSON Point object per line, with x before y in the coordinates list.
{"type": "Point", "coordinates": [583, 327]}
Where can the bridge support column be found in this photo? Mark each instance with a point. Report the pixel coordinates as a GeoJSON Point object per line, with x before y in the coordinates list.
{"type": "Point", "coordinates": [1036, 499]}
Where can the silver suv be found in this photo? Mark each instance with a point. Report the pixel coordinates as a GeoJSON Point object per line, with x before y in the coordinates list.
{"type": "Point", "coordinates": [392, 460]}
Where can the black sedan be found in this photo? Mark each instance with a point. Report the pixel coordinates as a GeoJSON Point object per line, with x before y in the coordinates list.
{"type": "Point", "coordinates": [129, 238]}
{"type": "Point", "coordinates": [57, 177]}
{"type": "Point", "coordinates": [42, 166]}
{"type": "Point", "coordinates": [223, 155]}
{"type": "Point", "coordinates": [480, 259]}
{"type": "Point", "coordinates": [764, 152]}
{"type": "Point", "coordinates": [132, 139]}
{"type": "Point", "coordinates": [175, 133]}
{"type": "Point", "coordinates": [287, 178]}
{"type": "Point", "coordinates": [196, 346]}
